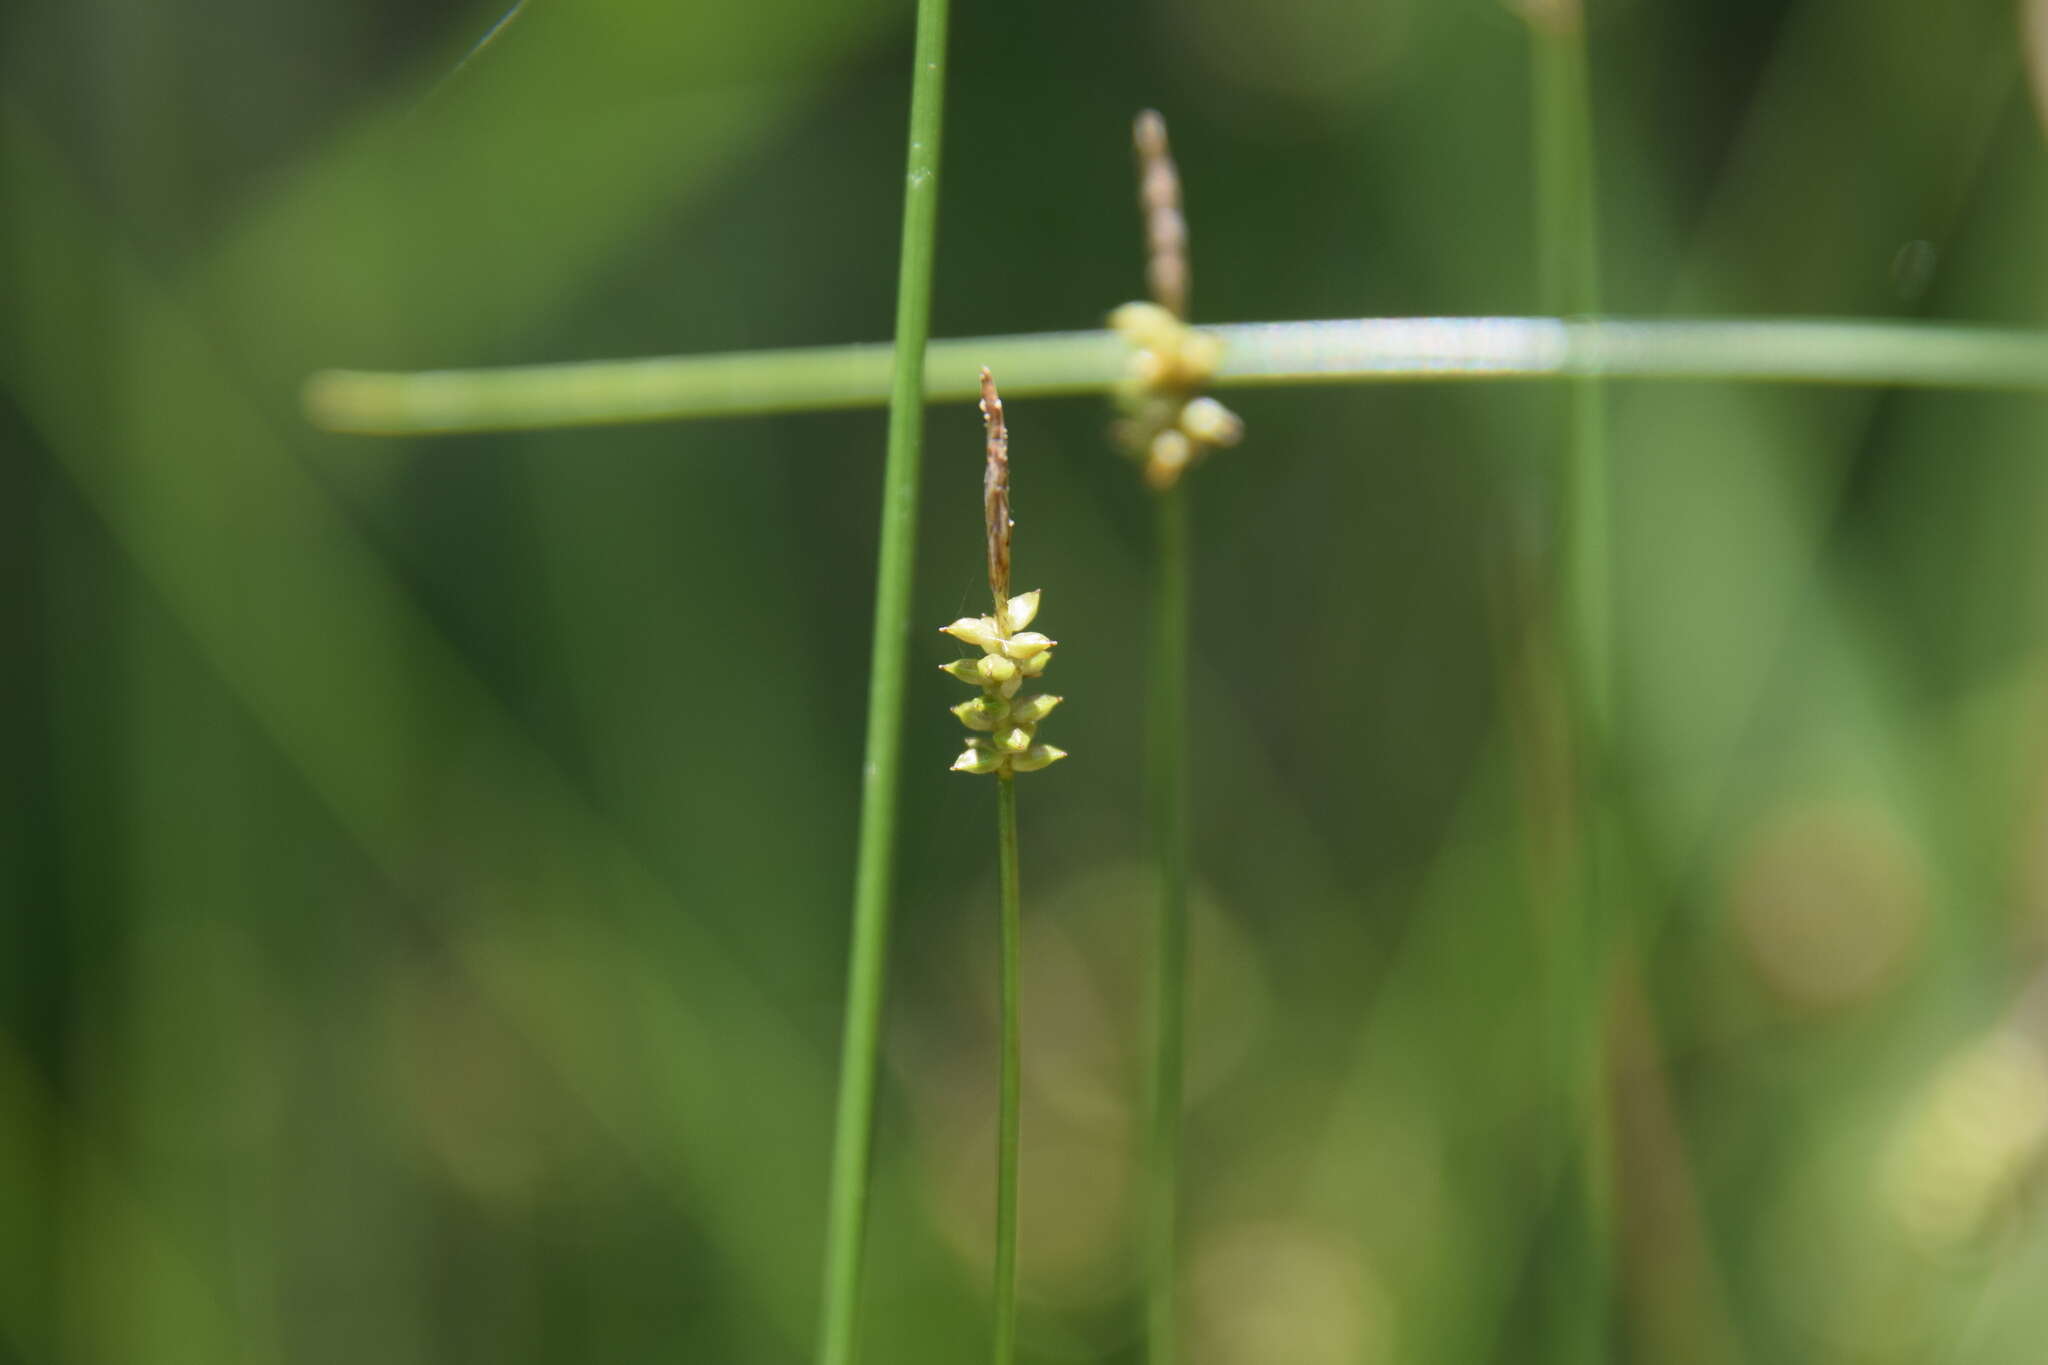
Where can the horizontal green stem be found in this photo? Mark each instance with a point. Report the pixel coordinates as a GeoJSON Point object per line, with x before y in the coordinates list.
{"type": "Point", "coordinates": [1365, 350]}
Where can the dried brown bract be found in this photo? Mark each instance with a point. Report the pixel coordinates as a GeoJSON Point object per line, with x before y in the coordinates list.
{"type": "Point", "coordinates": [995, 490]}
{"type": "Point", "coordinates": [1166, 227]}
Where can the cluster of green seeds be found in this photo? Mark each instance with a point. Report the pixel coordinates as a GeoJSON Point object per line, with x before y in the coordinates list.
{"type": "Point", "coordinates": [1005, 724]}
{"type": "Point", "coordinates": [1168, 422]}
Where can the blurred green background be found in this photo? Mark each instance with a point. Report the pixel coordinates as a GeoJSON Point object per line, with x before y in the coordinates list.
{"type": "Point", "coordinates": [429, 860]}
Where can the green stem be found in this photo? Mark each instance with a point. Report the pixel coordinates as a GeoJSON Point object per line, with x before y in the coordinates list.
{"type": "Point", "coordinates": [1344, 351]}
{"type": "Point", "coordinates": [853, 1130]}
{"type": "Point", "coordinates": [1579, 1265]}
{"type": "Point", "coordinates": [1007, 1119]}
{"type": "Point", "coordinates": [1167, 715]}
{"type": "Point", "coordinates": [1568, 250]}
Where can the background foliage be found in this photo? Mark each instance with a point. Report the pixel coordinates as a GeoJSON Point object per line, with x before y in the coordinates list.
{"type": "Point", "coordinates": [431, 858]}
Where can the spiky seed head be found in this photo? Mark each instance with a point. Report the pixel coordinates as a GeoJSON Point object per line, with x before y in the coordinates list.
{"type": "Point", "coordinates": [1009, 653]}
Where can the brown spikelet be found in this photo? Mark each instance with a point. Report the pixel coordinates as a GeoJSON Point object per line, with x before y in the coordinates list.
{"type": "Point", "coordinates": [995, 491]}
{"type": "Point", "coordinates": [1166, 229]}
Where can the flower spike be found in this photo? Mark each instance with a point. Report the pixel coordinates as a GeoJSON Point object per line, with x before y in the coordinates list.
{"type": "Point", "coordinates": [1005, 738]}
{"type": "Point", "coordinates": [1168, 423]}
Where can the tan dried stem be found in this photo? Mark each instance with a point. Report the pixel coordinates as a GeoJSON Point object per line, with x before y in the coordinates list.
{"type": "Point", "coordinates": [1166, 227]}
{"type": "Point", "coordinates": [995, 491]}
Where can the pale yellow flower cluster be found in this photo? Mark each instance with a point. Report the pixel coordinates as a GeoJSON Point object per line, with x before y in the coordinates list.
{"type": "Point", "coordinates": [1006, 725]}
{"type": "Point", "coordinates": [1168, 422]}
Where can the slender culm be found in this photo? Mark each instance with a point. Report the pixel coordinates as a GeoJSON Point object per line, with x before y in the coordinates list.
{"type": "Point", "coordinates": [860, 1042]}
{"type": "Point", "coordinates": [1005, 743]}
{"type": "Point", "coordinates": [1167, 805]}
{"type": "Point", "coordinates": [1168, 423]}
{"type": "Point", "coordinates": [1578, 1267]}
{"type": "Point", "coordinates": [1009, 1107]}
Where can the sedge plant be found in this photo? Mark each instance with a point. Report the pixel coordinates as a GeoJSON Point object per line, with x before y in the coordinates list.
{"type": "Point", "coordinates": [1168, 423]}
{"type": "Point", "coordinates": [1003, 741]}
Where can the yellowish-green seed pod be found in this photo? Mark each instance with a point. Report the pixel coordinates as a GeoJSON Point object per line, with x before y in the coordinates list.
{"type": "Point", "coordinates": [973, 760]}
{"type": "Point", "coordinates": [1019, 610]}
{"type": "Point", "coordinates": [1033, 709]}
{"type": "Point", "coordinates": [980, 631]}
{"type": "Point", "coordinates": [1036, 757]}
{"type": "Point", "coordinates": [1210, 423]}
{"type": "Point", "coordinates": [980, 714]}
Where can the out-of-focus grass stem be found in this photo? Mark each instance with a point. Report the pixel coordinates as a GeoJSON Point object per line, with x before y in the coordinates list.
{"type": "Point", "coordinates": [1166, 770]}
{"type": "Point", "coordinates": [1844, 351]}
{"type": "Point", "coordinates": [1155, 427]}
{"type": "Point", "coordinates": [860, 1047]}
{"type": "Point", "coordinates": [1579, 1261]}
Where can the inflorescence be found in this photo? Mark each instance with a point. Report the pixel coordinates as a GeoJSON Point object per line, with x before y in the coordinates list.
{"type": "Point", "coordinates": [1168, 422]}
{"type": "Point", "coordinates": [1005, 724]}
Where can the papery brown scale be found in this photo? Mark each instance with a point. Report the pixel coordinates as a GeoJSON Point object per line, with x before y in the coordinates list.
{"type": "Point", "coordinates": [995, 492]}
{"type": "Point", "coordinates": [1166, 228]}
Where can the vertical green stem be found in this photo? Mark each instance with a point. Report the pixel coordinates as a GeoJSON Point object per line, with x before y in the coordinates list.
{"type": "Point", "coordinates": [1580, 1262]}
{"type": "Point", "coordinates": [1007, 1119]}
{"type": "Point", "coordinates": [846, 1216]}
{"type": "Point", "coordinates": [1167, 762]}
{"type": "Point", "coordinates": [1568, 264]}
